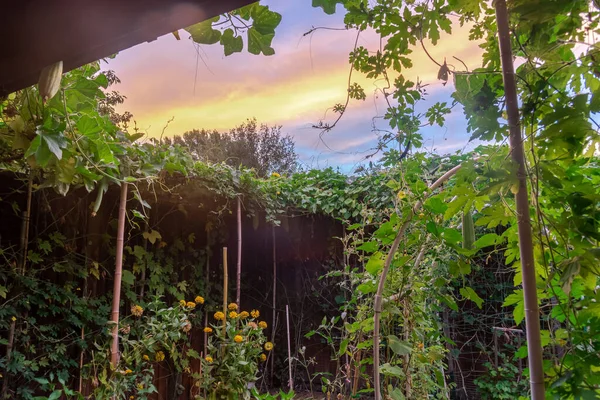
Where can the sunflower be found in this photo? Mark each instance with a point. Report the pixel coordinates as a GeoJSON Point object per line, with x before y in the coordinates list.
{"type": "Point", "coordinates": [137, 311]}
{"type": "Point", "coordinates": [244, 314]}
{"type": "Point", "coordinates": [233, 314]}
{"type": "Point", "coordinates": [238, 339]}
{"type": "Point", "coordinates": [199, 300]}
{"type": "Point", "coordinates": [255, 313]}
{"type": "Point", "coordinates": [219, 316]}
{"type": "Point", "coordinates": [268, 346]}
{"type": "Point", "coordinates": [182, 303]}
{"type": "Point", "coordinates": [262, 324]}
{"type": "Point", "coordinates": [232, 307]}
{"type": "Point", "coordinates": [208, 359]}
{"type": "Point", "coordinates": [208, 329]}
{"type": "Point", "coordinates": [191, 304]}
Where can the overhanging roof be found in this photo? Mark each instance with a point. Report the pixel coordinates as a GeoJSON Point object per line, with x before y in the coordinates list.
{"type": "Point", "coordinates": [37, 33]}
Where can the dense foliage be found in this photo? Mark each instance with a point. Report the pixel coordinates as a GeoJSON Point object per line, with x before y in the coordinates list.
{"type": "Point", "coordinates": [72, 142]}
{"type": "Point", "coordinates": [262, 148]}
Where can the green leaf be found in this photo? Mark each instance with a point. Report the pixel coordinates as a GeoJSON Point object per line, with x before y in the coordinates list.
{"type": "Point", "coordinates": [89, 126]}
{"type": "Point", "coordinates": [55, 395]}
{"type": "Point", "coordinates": [469, 293]}
{"type": "Point", "coordinates": [391, 370]}
{"type": "Point", "coordinates": [152, 236]}
{"type": "Point", "coordinates": [127, 277]}
{"type": "Point", "coordinates": [489, 239]}
{"type": "Point", "coordinates": [343, 347]}
{"type": "Point", "coordinates": [398, 346]}
{"type": "Point", "coordinates": [328, 6]}
{"type": "Point", "coordinates": [203, 32]}
{"type": "Point", "coordinates": [375, 263]}
{"type": "Point", "coordinates": [231, 44]}
{"type": "Point", "coordinates": [369, 247]}
{"type": "Point", "coordinates": [259, 43]}
{"type": "Point", "coordinates": [264, 20]}
{"type": "Point", "coordinates": [367, 287]}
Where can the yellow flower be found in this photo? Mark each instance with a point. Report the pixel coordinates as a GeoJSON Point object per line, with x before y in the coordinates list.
{"type": "Point", "coordinates": [208, 329]}
{"type": "Point", "coordinates": [199, 300]}
{"type": "Point", "coordinates": [160, 356]}
{"type": "Point", "coordinates": [146, 358]}
{"type": "Point", "coordinates": [262, 324]}
{"type": "Point", "coordinates": [420, 346]}
{"type": "Point", "coordinates": [13, 318]}
{"type": "Point", "coordinates": [128, 371]}
{"type": "Point", "coordinates": [191, 304]}
{"type": "Point", "coordinates": [137, 311]}
{"type": "Point", "coordinates": [232, 307]}
{"type": "Point", "coordinates": [255, 313]}
{"type": "Point", "coordinates": [244, 314]}
{"type": "Point", "coordinates": [233, 314]}
{"type": "Point", "coordinates": [421, 215]}
{"type": "Point", "coordinates": [219, 316]}
{"type": "Point", "coordinates": [401, 195]}
{"type": "Point", "coordinates": [238, 339]}
{"type": "Point", "coordinates": [263, 357]}
{"type": "Point", "coordinates": [208, 359]}
{"type": "Point", "coordinates": [268, 346]}
{"type": "Point", "coordinates": [275, 175]}
{"type": "Point", "coordinates": [187, 326]}
{"type": "Point", "coordinates": [182, 303]}
{"type": "Point", "coordinates": [140, 386]}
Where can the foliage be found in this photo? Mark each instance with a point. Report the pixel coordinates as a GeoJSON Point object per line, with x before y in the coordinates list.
{"type": "Point", "coordinates": [261, 148]}
{"type": "Point", "coordinates": [148, 336]}
{"type": "Point", "coordinates": [255, 21]}
{"type": "Point", "coordinates": [502, 382]}
{"type": "Point", "coordinates": [236, 348]}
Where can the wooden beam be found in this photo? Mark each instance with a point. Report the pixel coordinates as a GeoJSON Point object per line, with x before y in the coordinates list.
{"type": "Point", "coordinates": [82, 31]}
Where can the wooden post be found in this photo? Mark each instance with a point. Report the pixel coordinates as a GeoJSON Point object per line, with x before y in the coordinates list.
{"type": "Point", "coordinates": [114, 349]}
{"type": "Point", "coordinates": [287, 315]}
{"type": "Point", "coordinates": [239, 252]}
{"type": "Point", "coordinates": [532, 313]}
{"type": "Point", "coordinates": [206, 279]}
{"type": "Point", "coordinates": [224, 288]}
{"type": "Point", "coordinates": [274, 299]}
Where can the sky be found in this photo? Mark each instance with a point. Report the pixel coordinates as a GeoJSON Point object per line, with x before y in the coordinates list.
{"type": "Point", "coordinates": [198, 87]}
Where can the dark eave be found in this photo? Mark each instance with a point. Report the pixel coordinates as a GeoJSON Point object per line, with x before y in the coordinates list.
{"type": "Point", "coordinates": [37, 33]}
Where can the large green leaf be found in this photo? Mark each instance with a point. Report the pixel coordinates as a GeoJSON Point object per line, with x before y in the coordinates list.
{"type": "Point", "coordinates": [260, 43]}
{"type": "Point", "coordinates": [231, 44]}
{"type": "Point", "coordinates": [398, 346]}
{"type": "Point", "coordinates": [204, 33]}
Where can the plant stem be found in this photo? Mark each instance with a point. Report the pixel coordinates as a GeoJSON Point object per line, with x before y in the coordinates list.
{"type": "Point", "coordinates": [384, 272]}
{"type": "Point", "coordinates": [114, 349]}
{"type": "Point", "coordinates": [532, 317]}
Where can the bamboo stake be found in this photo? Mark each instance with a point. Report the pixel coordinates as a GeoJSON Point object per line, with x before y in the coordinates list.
{"type": "Point", "coordinates": [239, 252]}
{"type": "Point", "coordinates": [206, 279]}
{"type": "Point", "coordinates": [532, 314]}
{"type": "Point", "coordinates": [384, 272]}
{"type": "Point", "coordinates": [274, 298]}
{"type": "Point", "coordinates": [114, 349]}
{"type": "Point", "coordinates": [224, 289]}
{"type": "Point", "coordinates": [287, 316]}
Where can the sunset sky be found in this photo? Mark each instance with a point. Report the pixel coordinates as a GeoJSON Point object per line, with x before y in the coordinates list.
{"type": "Point", "coordinates": [168, 78]}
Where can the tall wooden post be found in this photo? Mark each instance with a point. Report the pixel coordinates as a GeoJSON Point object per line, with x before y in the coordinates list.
{"type": "Point", "coordinates": [114, 349]}
{"type": "Point", "coordinates": [532, 314]}
{"type": "Point", "coordinates": [239, 252]}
